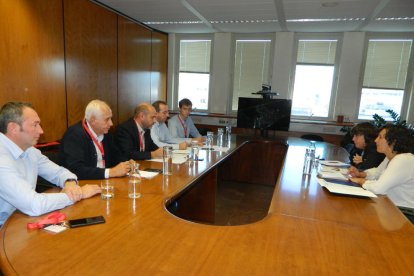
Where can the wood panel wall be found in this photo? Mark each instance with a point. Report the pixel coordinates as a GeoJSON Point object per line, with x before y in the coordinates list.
{"type": "Point", "coordinates": [32, 60]}
{"type": "Point", "coordinates": [159, 55]}
{"type": "Point", "coordinates": [60, 54]}
{"type": "Point", "coordinates": [134, 71]}
{"type": "Point", "coordinates": [91, 57]}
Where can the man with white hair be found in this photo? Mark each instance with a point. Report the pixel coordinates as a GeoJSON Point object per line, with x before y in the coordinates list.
{"type": "Point", "coordinates": [87, 148]}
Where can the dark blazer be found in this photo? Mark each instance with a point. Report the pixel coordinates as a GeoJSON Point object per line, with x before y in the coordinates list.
{"type": "Point", "coordinates": [78, 153]}
{"type": "Point", "coordinates": [128, 140]}
{"type": "Point", "coordinates": [370, 157]}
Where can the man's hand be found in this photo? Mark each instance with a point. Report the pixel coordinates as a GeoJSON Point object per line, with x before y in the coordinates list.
{"type": "Point", "coordinates": [156, 153]}
{"type": "Point", "coordinates": [73, 191]}
{"type": "Point", "coordinates": [119, 170]}
{"type": "Point", "coordinates": [182, 146]}
{"type": "Point", "coordinates": [199, 139]}
{"type": "Point", "coordinates": [90, 190]}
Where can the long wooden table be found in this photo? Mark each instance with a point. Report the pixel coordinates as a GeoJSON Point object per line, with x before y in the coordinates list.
{"type": "Point", "coordinates": [307, 231]}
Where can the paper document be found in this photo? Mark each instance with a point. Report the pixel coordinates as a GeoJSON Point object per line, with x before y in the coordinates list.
{"type": "Point", "coordinates": [333, 163]}
{"type": "Point", "coordinates": [344, 189]}
{"type": "Point", "coordinates": [148, 175]}
{"type": "Point", "coordinates": [186, 151]}
{"type": "Point", "coordinates": [177, 159]}
{"type": "Point", "coordinates": [332, 175]}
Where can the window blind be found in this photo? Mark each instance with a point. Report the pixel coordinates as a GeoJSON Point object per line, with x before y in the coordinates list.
{"type": "Point", "coordinates": [387, 63]}
{"type": "Point", "coordinates": [316, 52]}
{"type": "Point", "coordinates": [251, 68]}
{"type": "Point", "coordinates": [195, 56]}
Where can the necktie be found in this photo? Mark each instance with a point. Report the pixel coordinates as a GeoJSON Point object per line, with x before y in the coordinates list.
{"type": "Point", "coordinates": [141, 141]}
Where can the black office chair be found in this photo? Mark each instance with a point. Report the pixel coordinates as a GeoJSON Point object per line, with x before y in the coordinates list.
{"type": "Point", "coordinates": [312, 137]}
{"type": "Point", "coordinates": [52, 152]}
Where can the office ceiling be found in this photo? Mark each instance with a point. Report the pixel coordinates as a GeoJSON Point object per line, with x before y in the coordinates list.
{"type": "Point", "coordinates": [255, 16]}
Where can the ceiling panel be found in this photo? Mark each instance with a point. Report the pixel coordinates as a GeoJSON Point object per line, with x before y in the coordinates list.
{"type": "Point", "coordinates": [215, 15]}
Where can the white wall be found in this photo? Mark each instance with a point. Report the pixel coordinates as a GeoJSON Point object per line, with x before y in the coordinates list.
{"type": "Point", "coordinates": [346, 101]}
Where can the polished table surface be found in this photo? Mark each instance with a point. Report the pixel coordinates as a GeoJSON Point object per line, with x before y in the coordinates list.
{"type": "Point", "coordinates": [307, 231]}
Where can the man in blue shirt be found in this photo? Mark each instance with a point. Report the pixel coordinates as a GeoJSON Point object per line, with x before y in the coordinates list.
{"type": "Point", "coordinates": [181, 125]}
{"type": "Point", "coordinates": [159, 131]}
{"type": "Point", "coordinates": [21, 163]}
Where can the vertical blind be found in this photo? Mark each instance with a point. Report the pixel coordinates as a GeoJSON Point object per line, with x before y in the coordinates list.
{"type": "Point", "coordinates": [195, 56]}
{"type": "Point", "coordinates": [387, 63]}
{"type": "Point", "coordinates": [251, 67]}
{"type": "Point", "coordinates": [316, 52]}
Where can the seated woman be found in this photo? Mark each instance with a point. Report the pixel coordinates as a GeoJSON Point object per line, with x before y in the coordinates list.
{"type": "Point", "coordinates": [365, 155]}
{"type": "Point", "coordinates": [395, 175]}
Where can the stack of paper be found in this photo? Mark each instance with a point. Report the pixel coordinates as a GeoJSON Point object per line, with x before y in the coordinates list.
{"type": "Point", "coordinates": [344, 189]}
{"type": "Point", "coordinates": [333, 163]}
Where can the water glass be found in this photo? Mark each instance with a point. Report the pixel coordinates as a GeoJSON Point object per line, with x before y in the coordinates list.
{"type": "Point", "coordinates": [134, 181]}
{"type": "Point", "coordinates": [107, 189]}
{"type": "Point", "coordinates": [194, 152]}
{"type": "Point", "coordinates": [167, 160]}
{"type": "Point", "coordinates": [220, 134]}
{"type": "Point", "coordinates": [209, 139]}
{"type": "Point", "coordinates": [228, 130]}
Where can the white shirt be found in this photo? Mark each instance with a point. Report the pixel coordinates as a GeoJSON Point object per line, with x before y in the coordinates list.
{"type": "Point", "coordinates": [162, 136]}
{"type": "Point", "coordinates": [99, 163]}
{"type": "Point", "coordinates": [18, 177]}
{"type": "Point", "coordinates": [394, 178]}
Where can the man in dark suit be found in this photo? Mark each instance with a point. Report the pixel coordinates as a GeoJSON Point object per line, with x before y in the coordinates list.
{"type": "Point", "coordinates": [134, 137]}
{"type": "Point", "coordinates": [87, 148]}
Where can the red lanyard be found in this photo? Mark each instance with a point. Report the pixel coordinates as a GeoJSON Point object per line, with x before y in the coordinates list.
{"type": "Point", "coordinates": [52, 218]}
{"type": "Point", "coordinates": [183, 125]}
{"type": "Point", "coordinates": [95, 141]}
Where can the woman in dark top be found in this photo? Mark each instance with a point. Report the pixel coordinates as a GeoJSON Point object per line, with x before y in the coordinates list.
{"type": "Point", "coordinates": [365, 155]}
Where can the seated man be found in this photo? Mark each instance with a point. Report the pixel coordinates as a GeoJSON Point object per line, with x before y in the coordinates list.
{"type": "Point", "coordinates": [87, 148]}
{"type": "Point", "coordinates": [134, 137]}
{"type": "Point", "coordinates": [159, 131]}
{"type": "Point", "coordinates": [181, 125]}
{"type": "Point", "coordinates": [21, 163]}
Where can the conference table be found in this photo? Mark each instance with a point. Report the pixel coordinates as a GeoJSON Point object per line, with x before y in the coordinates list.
{"type": "Point", "coordinates": [171, 230]}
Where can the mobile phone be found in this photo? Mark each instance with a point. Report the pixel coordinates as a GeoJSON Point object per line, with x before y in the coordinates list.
{"type": "Point", "coordinates": [153, 170]}
{"type": "Point", "coordinates": [73, 223]}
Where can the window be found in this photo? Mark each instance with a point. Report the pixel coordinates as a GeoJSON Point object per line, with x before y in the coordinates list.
{"type": "Point", "coordinates": [194, 72]}
{"type": "Point", "coordinates": [251, 67]}
{"type": "Point", "coordinates": [384, 77]}
{"type": "Point", "coordinates": [314, 78]}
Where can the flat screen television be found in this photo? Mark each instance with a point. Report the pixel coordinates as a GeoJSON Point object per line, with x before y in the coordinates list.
{"type": "Point", "coordinates": [264, 114]}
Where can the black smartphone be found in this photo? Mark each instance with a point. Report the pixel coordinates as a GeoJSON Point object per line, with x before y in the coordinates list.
{"type": "Point", "coordinates": [153, 170]}
{"type": "Point", "coordinates": [73, 223]}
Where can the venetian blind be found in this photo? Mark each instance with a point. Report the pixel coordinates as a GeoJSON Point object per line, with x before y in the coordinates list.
{"type": "Point", "coordinates": [195, 56]}
{"type": "Point", "coordinates": [251, 68]}
{"type": "Point", "coordinates": [316, 52]}
{"type": "Point", "coordinates": [387, 63]}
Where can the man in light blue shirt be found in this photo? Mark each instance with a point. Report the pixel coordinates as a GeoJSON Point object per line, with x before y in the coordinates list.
{"type": "Point", "coordinates": [181, 125]}
{"type": "Point", "coordinates": [21, 163]}
{"type": "Point", "coordinates": [159, 131]}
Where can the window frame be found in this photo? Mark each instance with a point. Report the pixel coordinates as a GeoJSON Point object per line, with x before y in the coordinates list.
{"type": "Point", "coordinates": [334, 88]}
{"type": "Point", "coordinates": [408, 89]}
{"type": "Point", "coordinates": [176, 76]}
{"type": "Point", "coordinates": [235, 37]}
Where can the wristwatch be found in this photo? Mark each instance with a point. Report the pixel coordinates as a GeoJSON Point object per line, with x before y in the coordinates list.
{"type": "Point", "coordinates": [72, 179]}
